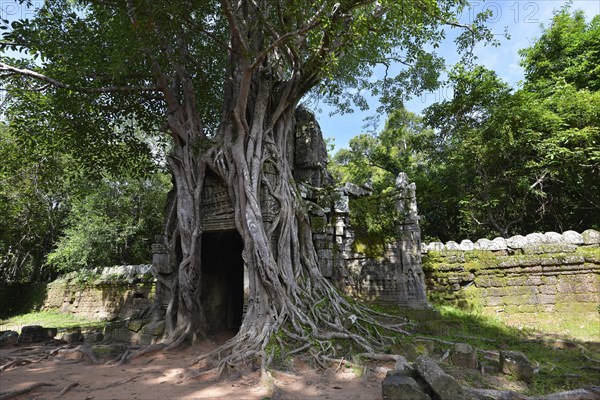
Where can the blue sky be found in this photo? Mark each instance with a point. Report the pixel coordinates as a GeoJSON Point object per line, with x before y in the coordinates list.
{"type": "Point", "coordinates": [522, 19]}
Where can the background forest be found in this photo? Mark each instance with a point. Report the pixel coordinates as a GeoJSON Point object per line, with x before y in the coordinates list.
{"type": "Point", "coordinates": [490, 161]}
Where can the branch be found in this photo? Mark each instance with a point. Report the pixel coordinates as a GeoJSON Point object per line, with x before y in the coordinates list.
{"type": "Point", "coordinates": [235, 28]}
{"type": "Point", "coordinates": [539, 181]}
{"type": "Point", "coordinates": [56, 83]}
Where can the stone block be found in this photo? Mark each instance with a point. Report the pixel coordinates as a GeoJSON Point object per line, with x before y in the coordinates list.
{"type": "Point", "coordinates": [398, 386]}
{"type": "Point", "coordinates": [516, 281]}
{"type": "Point", "coordinates": [493, 301]}
{"type": "Point", "coordinates": [500, 243]}
{"type": "Point", "coordinates": [154, 328]}
{"type": "Point", "coordinates": [457, 258]}
{"type": "Point", "coordinates": [161, 262]}
{"type": "Point", "coordinates": [573, 237]}
{"type": "Point", "coordinates": [325, 254]}
{"type": "Point", "coordinates": [108, 351]}
{"type": "Point", "coordinates": [463, 355]}
{"type": "Point", "coordinates": [436, 246]}
{"type": "Point", "coordinates": [516, 242]}
{"type": "Point", "coordinates": [547, 289]}
{"type": "Point", "coordinates": [547, 299]}
{"type": "Point", "coordinates": [466, 245]}
{"type": "Point", "coordinates": [8, 337]}
{"type": "Point", "coordinates": [127, 336]}
{"type": "Point", "coordinates": [550, 280]}
{"type": "Point", "coordinates": [93, 337]}
{"type": "Point", "coordinates": [136, 324]}
{"type": "Point", "coordinates": [32, 334]}
{"type": "Point", "coordinates": [535, 238]}
{"type": "Point", "coordinates": [417, 348]}
{"type": "Point", "coordinates": [70, 354]}
{"type": "Point", "coordinates": [483, 244]}
{"type": "Point", "coordinates": [342, 204]}
{"type": "Point", "coordinates": [326, 266]}
{"type": "Point", "coordinates": [546, 248]}
{"type": "Point", "coordinates": [443, 385]}
{"type": "Point", "coordinates": [591, 236]}
{"type": "Point", "coordinates": [111, 326]}
{"type": "Point", "coordinates": [533, 280]}
{"type": "Point", "coordinates": [318, 223]}
{"type": "Point", "coordinates": [553, 238]}
{"type": "Point", "coordinates": [72, 337]}
{"type": "Point", "coordinates": [355, 191]}
{"type": "Point", "coordinates": [517, 364]}
{"type": "Point", "coordinates": [451, 245]}
{"type": "Point", "coordinates": [482, 281]}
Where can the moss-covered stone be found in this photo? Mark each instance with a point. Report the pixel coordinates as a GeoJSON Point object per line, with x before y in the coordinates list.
{"type": "Point", "coordinates": [518, 283]}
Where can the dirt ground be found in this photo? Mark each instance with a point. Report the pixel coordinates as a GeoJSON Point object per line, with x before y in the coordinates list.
{"type": "Point", "coordinates": [164, 375]}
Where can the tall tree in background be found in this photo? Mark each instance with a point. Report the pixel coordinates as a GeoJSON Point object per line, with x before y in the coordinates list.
{"type": "Point", "coordinates": [528, 160]}
{"type": "Point", "coordinates": [500, 161]}
{"type": "Point", "coordinates": [32, 206]}
{"type": "Point", "coordinates": [223, 79]}
{"type": "Point", "coordinates": [58, 215]}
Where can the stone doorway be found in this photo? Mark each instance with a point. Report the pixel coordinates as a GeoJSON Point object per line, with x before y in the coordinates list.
{"type": "Point", "coordinates": [222, 281]}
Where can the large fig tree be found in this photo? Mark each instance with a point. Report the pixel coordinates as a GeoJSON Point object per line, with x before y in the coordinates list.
{"type": "Point", "coordinates": [222, 79]}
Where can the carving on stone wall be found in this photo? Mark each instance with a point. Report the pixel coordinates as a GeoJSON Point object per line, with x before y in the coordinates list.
{"type": "Point", "coordinates": [409, 243]}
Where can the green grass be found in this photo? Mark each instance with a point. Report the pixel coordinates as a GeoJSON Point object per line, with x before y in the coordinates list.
{"type": "Point", "coordinates": [556, 351]}
{"type": "Point", "coordinates": [48, 319]}
{"type": "Point", "coordinates": [580, 325]}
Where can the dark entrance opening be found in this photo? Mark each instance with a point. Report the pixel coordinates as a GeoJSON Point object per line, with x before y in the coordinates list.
{"type": "Point", "coordinates": [222, 281]}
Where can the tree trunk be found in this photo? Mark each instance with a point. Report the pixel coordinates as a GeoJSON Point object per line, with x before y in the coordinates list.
{"type": "Point", "coordinates": [249, 153]}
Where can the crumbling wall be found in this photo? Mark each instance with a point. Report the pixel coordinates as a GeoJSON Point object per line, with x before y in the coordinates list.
{"type": "Point", "coordinates": [540, 272]}
{"type": "Point", "coordinates": [395, 276]}
{"type": "Point", "coordinates": [116, 292]}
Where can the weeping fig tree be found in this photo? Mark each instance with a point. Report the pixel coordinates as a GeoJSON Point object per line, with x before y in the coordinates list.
{"type": "Point", "coordinates": [221, 79]}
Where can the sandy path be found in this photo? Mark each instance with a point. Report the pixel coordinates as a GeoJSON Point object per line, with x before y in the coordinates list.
{"type": "Point", "coordinates": [162, 376]}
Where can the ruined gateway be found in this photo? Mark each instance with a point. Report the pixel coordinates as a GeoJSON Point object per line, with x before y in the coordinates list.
{"type": "Point", "coordinates": [394, 278]}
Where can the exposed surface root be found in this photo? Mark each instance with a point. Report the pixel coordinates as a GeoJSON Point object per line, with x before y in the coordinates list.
{"type": "Point", "coordinates": [589, 393]}
{"type": "Point", "coordinates": [321, 342]}
{"type": "Point", "coordinates": [14, 393]}
{"type": "Point", "coordinates": [123, 381]}
{"type": "Point", "coordinates": [67, 388]}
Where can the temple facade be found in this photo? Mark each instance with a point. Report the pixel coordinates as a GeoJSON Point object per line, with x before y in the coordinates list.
{"type": "Point", "coordinates": [394, 276]}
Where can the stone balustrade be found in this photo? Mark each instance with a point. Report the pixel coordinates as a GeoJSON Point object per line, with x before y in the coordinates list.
{"type": "Point", "coordinates": [533, 242]}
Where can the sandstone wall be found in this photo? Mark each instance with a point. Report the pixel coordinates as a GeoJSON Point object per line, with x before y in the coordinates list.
{"type": "Point", "coordinates": [534, 273]}
{"type": "Point", "coordinates": [105, 294]}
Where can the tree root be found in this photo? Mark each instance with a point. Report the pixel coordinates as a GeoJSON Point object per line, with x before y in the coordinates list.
{"type": "Point", "coordinates": [10, 364]}
{"type": "Point", "coordinates": [21, 361]}
{"type": "Point", "coordinates": [14, 393]}
{"type": "Point", "coordinates": [83, 349]}
{"type": "Point", "coordinates": [583, 350]}
{"type": "Point", "coordinates": [343, 361]}
{"type": "Point", "coordinates": [122, 382]}
{"type": "Point", "coordinates": [129, 355]}
{"type": "Point", "coordinates": [588, 393]}
{"type": "Point", "coordinates": [67, 388]}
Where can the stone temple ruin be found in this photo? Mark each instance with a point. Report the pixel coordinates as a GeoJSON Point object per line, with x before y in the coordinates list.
{"type": "Point", "coordinates": [395, 278]}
